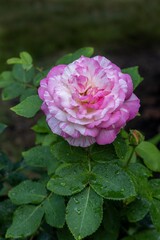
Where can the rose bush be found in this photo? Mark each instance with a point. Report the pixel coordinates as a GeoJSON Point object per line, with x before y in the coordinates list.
{"type": "Point", "coordinates": [88, 100]}
{"type": "Point", "coordinates": [58, 191]}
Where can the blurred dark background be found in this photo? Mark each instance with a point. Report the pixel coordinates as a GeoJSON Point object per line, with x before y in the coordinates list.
{"type": "Point", "coordinates": [125, 31]}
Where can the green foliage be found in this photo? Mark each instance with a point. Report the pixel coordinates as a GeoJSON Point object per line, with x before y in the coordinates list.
{"type": "Point", "coordinates": [25, 59]}
{"type": "Point", "coordinates": [155, 213]}
{"type": "Point", "coordinates": [6, 78]}
{"type": "Point", "coordinates": [24, 108]}
{"type": "Point", "coordinates": [26, 221]}
{"type": "Point", "coordinates": [137, 210]}
{"type": "Point", "coordinates": [121, 147]}
{"type": "Point", "coordinates": [103, 153]}
{"type": "Point", "coordinates": [87, 52]}
{"type": "Point", "coordinates": [110, 191]}
{"type": "Point", "coordinates": [54, 208]}
{"type": "Point", "coordinates": [133, 72]}
{"type": "Point", "coordinates": [150, 155]}
{"type": "Point", "coordinates": [84, 213]}
{"type": "Point", "coordinates": [68, 179]}
{"type": "Point", "coordinates": [112, 182]}
{"type": "Point", "coordinates": [27, 192]}
{"type": "Point", "coordinates": [66, 153]}
{"type": "Point", "coordinates": [12, 91]}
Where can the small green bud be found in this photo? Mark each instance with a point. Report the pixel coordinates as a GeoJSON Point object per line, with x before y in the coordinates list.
{"type": "Point", "coordinates": [135, 137]}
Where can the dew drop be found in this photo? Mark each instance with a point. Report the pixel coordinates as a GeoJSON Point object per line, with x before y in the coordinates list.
{"type": "Point", "coordinates": [76, 200]}
{"type": "Point", "coordinates": [78, 211]}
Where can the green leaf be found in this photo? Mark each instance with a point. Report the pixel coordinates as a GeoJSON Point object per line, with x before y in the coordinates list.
{"type": "Point", "coordinates": [155, 213]}
{"type": "Point", "coordinates": [137, 210]}
{"type": "Point", "coordinates": [86, 51]}
{"type": "Point", "coordinates": [6, 78]}
{"type": "Point", "coordinates": [65, 59]}
{"type": "Point", "coordinates": [30, 74]}
{"type": "Point", "coordinates": [28, 192]}
{"type": "Point", "coordinates": [22, 75]}
{"type": "Point", "coordinates": [27, 93]}
{"type": "Point", "coordinates": [54, 208]}
{"type": "Point", "coordinates": [39, 76]}
{"type": "Point", "coordinates": [38, 156]}
{"type": "Point", "coordinates": [2, 127]}
{"type": "Point", "coordinates": [68, 179]}
{"type": "Point", "coordinates": [29, 107]}
{"type": "Point", "coordinates": [14, 60]}
{"type": "Point", "coordinates": [84, 213]}
{"type": "Point", "coordinates": [133, 72]}
{"type": "Point", "coordinates": [19, 73]}
{"type": "Point", "coordinates": [41, 126]}
{"type": "Point", "coordinates": [155, 188]}
{"type": "Point", "coordinates": [12, 91]}
{"type": "Point", "coordinates": [26, 60]}
{"type": "Point", "coordinates": [144, 235]}
{"type": "Point", "coordinates": [26, 221]}
{"type": "Point", "coordinates": [120, 146]}
{"type": "Point", "coordinates": [139, 175]}
{"type": "Point", "coordinates": [103, 153]}
{"type": "Point", "coordinates": [67, 153]}
{"type": "Point", "coordinates": [150, 155]}
{"type": "Point", "coordinates": [69, 58]}
{"type": "Point", "coordinates": [112, 182]}
{"type": "Point", "coordinates": [49, 139]}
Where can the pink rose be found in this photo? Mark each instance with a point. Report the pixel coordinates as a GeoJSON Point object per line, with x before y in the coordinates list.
{"type": "Point", "coordinates": [88, 101]}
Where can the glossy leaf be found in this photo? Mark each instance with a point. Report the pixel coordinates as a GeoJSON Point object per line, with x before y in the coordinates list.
{"type": "Point", "coordinates": [120, 146]}
{"type": "Point", "coordinates": [38, 156]}
{"type": "Point", "coordinates": [155, 213]}
{"type": "Point", "coordinates": [137, 210]}
{"type": "Point", "coordinates": [26, 221]}
{"type": "Point", "coordinates": [54, 208]}
{"type": "Point", "coordinates": [68, 179]}
{"type": "Point", "coordinates": [112, 182]}
{"type": "Point", "coordinates": [84, 213]}
{"type": "Point", "coordinates": [139, 175]}
{"type": "Point", "coordinates": [155, 188]}
{"type": "Point", "coordinates": [67, 153]}
{"type": "Point", "coordinates": [28, 192]}
{"type": "Point", "coordinates": [103, 153]}
{"type": "Point", "coordinates": [150, 155]}
{"type": "Point", "coordinates": [29, 107]}
{"type": "Point", "coordinates": [133, 72]}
